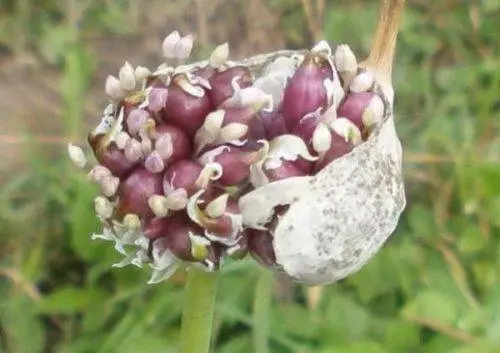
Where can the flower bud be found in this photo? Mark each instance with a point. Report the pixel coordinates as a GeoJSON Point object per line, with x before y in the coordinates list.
{"type": "Point", "coordinates": [235, 163]}
{"type": "Point", "coordinates": [260, 246]}
{"type": "Point", "coordinates": [157, 98]}
{"type": "Point", "coordinates": [183, 47]}
{"type": "Point", "coordinates": [182, 175]}
{"type": "Point", "coordinates": [115, 160]}
{"type": "Point", "coordinates": [217, 207]}
{"type": "Point", "coordinates": [121, 139]}
{"type": "Point", "coordinates": [348, 130]}
{"type": "Point", "coordinates": [346, 63]}
{"type": "Point", "coordinates": [223, 84]}
{"type": "Point", "coordinates": [183, 109]}
{"type": "Point", "coordinates": [178, 234]}
{"type": "Point", "coordinates": [177, 199]}
{"type": "Point", "coordinates": [103, 208]}
{"type": "Point", "coordinates": [338, 148]}
{"type": "Point", "coordinates": [158, 204]}
{"type": "Point", "coordinates": [141, 73]}
{"type": "Point", "coordinates": [154, 162]}
{"type": "Point", "coordinates": [127, 76]}
{"type": "Point", "coordinates": [219, 56]}
{"type": "Point", "coordinates": [133, 150]}
{"type": "Point", "coordinates": [77, 156]}
{"type": "Point", "coordinates": [109, 185]}
{"type": "Point", "coordinates": [171, 143]}
{"type": "Point", "coordinates": [98, 172]}
{"type": "Point", "coordinates": [306, 91]}
{"type": "Point", "coordinates": [285, 170]}
{"type": "Point", "coordinates": [322, 139]}
{"type": "Point", "coordinates": [362, 83]}
{"type": "Point", "coordinates": [136, 120]}
{"type": "Point", "coordinates": [114, 88]}
{"type": "Point", "coordinates": [363, 109]}
{"type": "Point", "coordinates": [274, 123]}
{"type": "Point", "coordinates": [169, 44]}
{"type": "Point", "coordinates": [135, 191]}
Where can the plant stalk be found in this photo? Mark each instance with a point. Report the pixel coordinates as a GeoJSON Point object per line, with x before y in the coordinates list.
{"type": "Point", "coordinates": [197, 317]}
{"type": "Point", "coordinates": [262, 311]}
{"type": "Point", "coordinates": [384, 43]}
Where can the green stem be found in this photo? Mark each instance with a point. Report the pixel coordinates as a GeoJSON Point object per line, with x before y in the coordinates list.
{"type": "Point", "coordinates": [198, 312]}
{"type": "Point", "coordinates": [261, 311]}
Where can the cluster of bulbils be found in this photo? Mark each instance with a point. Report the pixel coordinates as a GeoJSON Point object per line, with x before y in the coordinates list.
{"type": "Point", "coordinates": [178, 147]}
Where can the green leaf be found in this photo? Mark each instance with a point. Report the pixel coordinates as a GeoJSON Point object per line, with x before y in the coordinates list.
{"type": "Point", "coordinates": [356, 347]}
{"type": "Point", "coordinates": [432, 306]}
{"type": "Point", "coordinates": [21, 327]}
{"type": "Point", "coordinates": [345, 319]}
{"type": "Point", "coordinates": [83, 222]}
{"type": "Point", "coordinates": [421, 221]}
{"type": "Point", "coordinates": [290, 318]}
{"type": "Point", "coordinates": [70, 300]}
{"type": "Point", "coordinates": [240, 344]}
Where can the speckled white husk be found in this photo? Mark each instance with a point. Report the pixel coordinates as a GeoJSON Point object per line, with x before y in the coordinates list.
{"type": "Point", "coordinates": [341, 217]}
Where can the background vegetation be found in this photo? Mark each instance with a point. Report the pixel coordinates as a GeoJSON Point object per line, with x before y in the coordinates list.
{"type": "Point", "coordinates": [433, 288]}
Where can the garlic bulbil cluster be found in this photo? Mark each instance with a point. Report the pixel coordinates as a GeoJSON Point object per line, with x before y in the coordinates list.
{"type": "Point", "coordinates": [291, 157]}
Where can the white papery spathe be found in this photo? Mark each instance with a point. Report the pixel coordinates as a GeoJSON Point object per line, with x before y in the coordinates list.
{"type": "Point", "coordinates": [340, 218]}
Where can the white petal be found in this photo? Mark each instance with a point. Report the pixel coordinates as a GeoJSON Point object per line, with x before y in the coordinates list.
{"type": "Point", "coordinates": [322, 47]}
{"type": "Point", "coordinates": [103, 207]}
{"type": "Point", "coordinates": [233, 131]}
{"type": "Point", "coordinates": [217, 207]}
{"type": "Point", "coordinates": [287, 147]}
{"type": "Point", "coordinates": [127, 76]}
{"type": "Point", "coordinates": [177, 199]}
{"type": "Point", "coordinates": [257, 207]}
{"type": "Point", "coordinates": [209, 157]}
{"type": "Point", "coordinates": [219, 56]}
{"type": "Point", "coordinates": [322, 139]}
{"type": "Point", "coordinates": [362, 83]}
{"type": "Point", "coordinates": [158, 205]}
{"type": "Point", "coordinates": [121, 139]}
{"type": "Point", "coordinates": [114, 88]}
{"type": "Point", "coordinates": [141, 73]}
{"type": "Point", "coordinates": [210, 130]}
{"type": "Point", "coordinates": [169, 44]}
{"type": "Point", "coordinates": [184, 47]}
{"type": "Point", "coordinates": [345, 128]}
{"type": "Point", "coordinates": [345, 60]}
{"type": "Point", "coordinates": [77, 156]}
{"type": "Point", "coordinates": [374, 112]}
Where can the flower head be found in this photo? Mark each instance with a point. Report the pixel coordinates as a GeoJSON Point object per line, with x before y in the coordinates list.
{"type": "Point", "coordinates": [289, 157]}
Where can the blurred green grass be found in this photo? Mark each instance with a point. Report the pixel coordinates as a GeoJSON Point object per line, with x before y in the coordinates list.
{"type": "Point", "coordinates": [433, 288]}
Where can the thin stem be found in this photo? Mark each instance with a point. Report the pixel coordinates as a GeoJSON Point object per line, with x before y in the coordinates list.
{"type": "Point", "coordinates": [384, 44]}
{"type": "Point", "coordinates": [261, 311]}
{"type": "Point", "coordinates": [198, 312]}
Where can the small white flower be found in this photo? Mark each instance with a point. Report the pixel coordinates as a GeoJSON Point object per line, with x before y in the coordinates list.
{"type": "Point", "coordinates": [345, 60]}
{"type": "Point", "coordinates": [127, 77]}
{"type": "Point", "coordinates": [217, 207]}
{"type": "Point", "coordinates": [322, 138]}
{"type": "Point", "coordinates": [103, 207]}
{"type": "Point", "coordinates": [233, 131]}
{"type": "Point", "coordinates": [374, 112]}
{"type": "Point", "coordinates": [158, 205]}
{"type": "Point", "coordinates": [345, 128]}
{"type": "Point", "coordinates": [184, 47]}
{"type": "Point", "coordinates": [362, 83]}
{"type": "Point", "coordinates": [77, 156]}
{"type": "Point", "coordinates": [169, 44]}
{"type": "Point", "coordinates": [114, 88]}
{"type": "Point", "coordinates": [219, 56]}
